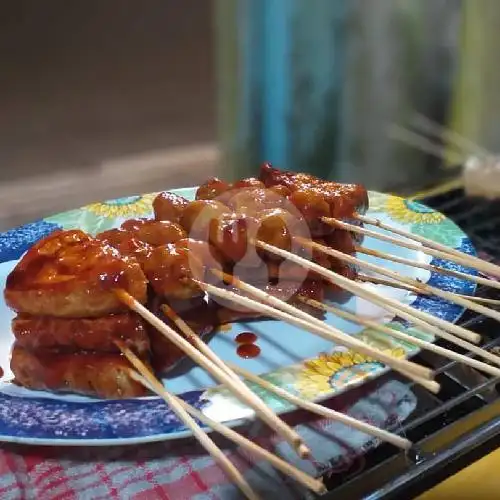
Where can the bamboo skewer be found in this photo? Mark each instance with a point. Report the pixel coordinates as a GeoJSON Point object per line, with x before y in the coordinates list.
{"type": "Point", "coordinates": [455, 298]}
{"type": "Point", "coordinates": [427, 246]}
{"type": "Point", "coordinates": [381, 434]}
{"type": "Point", "coordinates": [424, 144]}
{"type": "Point", "coordinates": [278, 314]}
{"type": "Point", "coordinates": [197, 431]}
{"type": "Point", "coordinates": [239, 389]}
{"type": "Point", "coordinates": [380, 281]}
{"type": "Point", "coordinates": [333, 333]}
{"type": "Point", "coordinates": [404, 310]}
{"type": "Point", "coordinates": [460, 142]}
{"type": "Point", "coordinates": [390, 305]}
{"type": "Point", "coordinates": [429, 267]}
{"type": "Point", "coordinates": [196, 341]}
{"type": "Point", "coordinates": [364, 278]}
{"type": "Point", "coordinates": [429, 346]}
{"type": "Point", "coordinates": [328, 332]}
{"type": "Point", "coordinates": [438, 332]}
{"type": "Point", "coordinates": [482, 300]}
{"type": "Point", "coordinates": [318, 409]}
{"type": "Point", "coordinates": [463, 147]}
{"type": "Point", "coordinates": [444, 187]}
{"type": "Point", "coordinates": [407, 368]}
{"type": "Point", "coordinates": [301, 477]}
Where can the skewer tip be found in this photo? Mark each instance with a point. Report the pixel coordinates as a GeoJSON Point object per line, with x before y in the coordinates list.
{"type": "Point", "coordinates": [121, 345]}
{"type": "Point", "coordinates": [125, 297]}
{"type": "Point", "coordinates": [227, 278]}
{"type": "Point", "coordinates": [303, 451]}
{"type": "Point", "coordinates": [169, 312]}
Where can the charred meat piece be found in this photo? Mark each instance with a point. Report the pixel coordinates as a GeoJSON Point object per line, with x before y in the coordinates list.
{"type": "Point", "coordinates": [198, 215]}
{"type": "Point", "coordinates": [251, 200]}
{"type": "Point", "coordinates": [169, 206]}
{"type": "Point", "coordinates": [205, 317]}
{"type": "Point", "coordinates": [212, 189]}
{"type": "Point", "coordinates": [344, 199]}
{"type": "Point", "coordinates": [126, 243]}
{"type": "Point", "coordinates": [69, 274]}
{"type": "Point", "coordinates": [196, 312]}
{"type": "Point", "coordinates": [172, 271]}
{"type": "Point", "coordinates": [154, 232]}
{"type": "Point", "coordinates": [92, 374]}
{"type": "Point", "coordinates": [76, 334]}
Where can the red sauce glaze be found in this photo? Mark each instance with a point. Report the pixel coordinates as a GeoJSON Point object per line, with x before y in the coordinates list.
{"type": "Point", "coordinates": [69, 256]}
{"type": "Point", "coordinates": [1, 371]}
{"type": "Point", "coordinates": [247, 348]}
{"type": "Point", "coordinates": [248, 351]}
{"type": "Point", "coordinates": [246, 338]}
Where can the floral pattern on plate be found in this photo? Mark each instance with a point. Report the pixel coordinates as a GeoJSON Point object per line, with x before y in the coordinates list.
{"type": "Point", "coordinates": [29, 417]}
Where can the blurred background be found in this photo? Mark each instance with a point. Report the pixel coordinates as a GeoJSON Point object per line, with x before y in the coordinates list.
{"type": "Point", "coordinates": [107, 98]}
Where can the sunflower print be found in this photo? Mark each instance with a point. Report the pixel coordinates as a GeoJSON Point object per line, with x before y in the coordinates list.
{"type": "Point", "coordinates": [377, 202]}
{"type": "Point", "coordinates": [411, 212]}
{"type": "Point", "coordinates": [128, 206]}
{"type": "Point", "coordinates": [383, 342]}
{"type": "Point", "coordinates": [330, 372]}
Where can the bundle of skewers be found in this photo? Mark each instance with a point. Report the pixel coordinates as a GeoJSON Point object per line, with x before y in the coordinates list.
{"type": "Point", "coordinates": [477, 170]}
{"type": "Point", "coordinates": [106, 315]}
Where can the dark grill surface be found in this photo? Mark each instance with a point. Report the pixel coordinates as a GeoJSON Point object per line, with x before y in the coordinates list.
{"type": "Point", "coordinates": [460, 424]}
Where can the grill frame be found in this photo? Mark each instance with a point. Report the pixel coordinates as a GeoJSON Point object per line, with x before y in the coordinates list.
{"type": "Point", "coordinates": [459, 425]}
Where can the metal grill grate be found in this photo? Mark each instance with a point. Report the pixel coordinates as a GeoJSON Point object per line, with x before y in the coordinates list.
{"type": "Point", "coordinates": [479, 218]}
{"type": "Point", "coordinates": [457, 426]}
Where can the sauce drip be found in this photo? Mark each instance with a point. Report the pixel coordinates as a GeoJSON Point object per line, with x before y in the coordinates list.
{"type": "Point", "coordinates": [248, 351]}
{"type": "Point", "coordinates": [247, 348]}
{"type": "Point", "coordinates": [246, 338]}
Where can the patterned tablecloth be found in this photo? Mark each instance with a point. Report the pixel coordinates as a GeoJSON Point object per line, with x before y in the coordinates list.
{"type": "Point", "coordinates": [181, 470]}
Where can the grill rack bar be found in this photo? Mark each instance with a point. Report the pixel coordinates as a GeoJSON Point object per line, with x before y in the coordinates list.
{"type": "Point", "coordinates": [459, 425]}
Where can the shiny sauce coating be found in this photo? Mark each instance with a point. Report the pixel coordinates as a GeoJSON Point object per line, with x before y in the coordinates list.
{"type": "Point", "coordinates": [248, 351]}
{"type": "Point", "coordinates": [247, 348]}
{"type": "Point", "coordinates": [246, 338]}
{"type": "Point", "coordinates": [66, 256]}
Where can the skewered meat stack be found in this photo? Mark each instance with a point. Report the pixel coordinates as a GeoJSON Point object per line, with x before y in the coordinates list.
{"type": "Point", "coordinates": [68, 316]}
{"type": "Point", "coordinates": [77, 298]}
{"type": "Point", "coordinates": [62, 289]}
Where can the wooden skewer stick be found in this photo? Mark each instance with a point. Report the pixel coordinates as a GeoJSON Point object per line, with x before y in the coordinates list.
{"type": "Point", "coordinates": [332, 334]}
{"type": "Point", "coordinates": [401, 310]}
{"type": "Point", "coordinates": [429, 267]}
{"type": "Point", "coordinates": [447, 353]}
{"type": "Point", "coordinates": [380, 281]}
{"type": "Point", "coordinates": [196, 341]}
{"type": "Point", "coordinates": [321, 329]}
{"type": "Point", "coordinates": [430, 385]}
{"type": "Point", "coordinates": [405, 311]}
{"type": "Point", "coordinates": [407, 368]}
{"type": "Point", "coordinates": [364, 278]}
{"type": "Point", "coordinates": [460, 142]}
{"type": "Point", "coordinates": [238, 388]}
{"type": "Point", "coordinates": [301, 477]}
{"type": "Point", "coordinates": [444, 187]}
{"type": "Point", "coordinates": [411, 138]}
{"type": "Point", "coordinates": [318, 409]}
{"type": "Point", "coordinates": [197, 431]}
{"type": "Point", "coordinates": [451, 297]}
{"type": "Point", "coordinates": [427, 246]}
{"type": "Point", "coordinates": [482, 300]}
{"type": "Point", "coordinates": [308, 481]}
{"type": "Point", "coordinates": [437, 331]}
{"type": "Point", "coordinates": [369, 429]}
